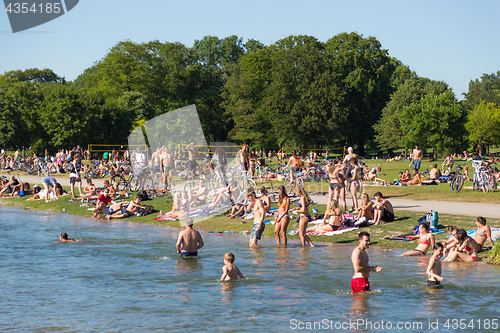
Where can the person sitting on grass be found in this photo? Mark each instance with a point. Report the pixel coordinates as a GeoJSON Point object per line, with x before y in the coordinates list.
{"type": "Point", "coordinates": [10, 185]}
{"type": "Point", "coordinates": [199, 194]}
{"type": "Point", "coordinates": [366, 208]}
{"type": "Point", "coordinates": [132, 209]}
{"type": "Point", "coordinates": [101, 206]}
{"type": "Point", "coordinates": [180, 209]}
{"type": "Point", "coordinates": [372, 175]}
{"type": "Point", "coordinates": [89, 191]}
{"type": "Point", "coordinates": [240, 209]}
{"type": "Point", "coordinates": [425, 241]}
{"type": "Point", "coordinates": [226, 195]}
{"type": "Point", "coordinates": [416, 178]}
{"type": "Point", "coordinates": [406, 177]}
{"type": "Point", "coordinates": [332, 219]}
{"type": "Point", "coordinates": [434, 173]}
{"type": "Point", "coordinates": [382, 210]}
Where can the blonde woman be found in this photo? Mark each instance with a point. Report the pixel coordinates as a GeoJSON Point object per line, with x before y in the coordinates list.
{"type": "Point", "coordinates": [282, 219]}
{"type": "Point", "coordinates": [335, 218]}
{"type": "Point", "coordinates": [305, 217]}
{"type": "Point", "coordinates": [365, 209]}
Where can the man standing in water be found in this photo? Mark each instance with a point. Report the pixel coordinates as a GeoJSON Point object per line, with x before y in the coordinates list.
{"type": "Point", "coordinates": [189, 241]}
{"type": "Point", "coordinates": [362, 270]}
{"type": "Point", "coordinates": [258, 218]}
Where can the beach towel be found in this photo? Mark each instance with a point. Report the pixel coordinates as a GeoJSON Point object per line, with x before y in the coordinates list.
{"type": "Point", "coordinates": [495, 233]}
{"type": "Point", "coordinates": [325, 233]}
{"type": "Point", "coordinates": [405, 237]}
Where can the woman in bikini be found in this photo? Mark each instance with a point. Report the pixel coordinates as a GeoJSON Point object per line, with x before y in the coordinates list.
{"type": "Point", "coordinates": [355, 183]}
{"type": "Point", "coordinates": [264, 198]}
{"type": "Point", "coordinates": [366, 208]}
{"type": "Point", "coordinates": [252, 160]}
{"type": "Point", "coordinates": [425, 241]}
{"type": "Point", "coordinates": [179, 210]}
{"type": "Point", "coordinates": [305, 217]}
{"type": "Point", "coordinates": [282, 219]}
{"type": "Point", "coordinates": [483, 233]}
{"type": "Point", "coordinates": [466, 251]}
{"type": "Point", "coordinates": [336, 190]}
{"type": "Point", "coordinates": [332, 219]}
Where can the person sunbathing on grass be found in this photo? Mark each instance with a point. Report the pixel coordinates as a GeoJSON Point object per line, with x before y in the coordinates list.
{"type": "Point", "coordinates": [199, 194]}
{"type": "Point", "coordinates": [366, 208]}
{"type": "Point", "coordinates": [425, 241]}
{"type": "Point", "coordinates": [89, 191]}
{"type": "Point", "coordinates": [335, 218]}
{"type": "Point", "coordinates": [132, 209]}
{"type": "Point", "coordinates": [416, 178]}
{"type": "Point", "coordinates": [226, 195]}
{"type": "Point", "coordinates": [240, 209]}
{"type": "Point", "coordinates": [180, 209]}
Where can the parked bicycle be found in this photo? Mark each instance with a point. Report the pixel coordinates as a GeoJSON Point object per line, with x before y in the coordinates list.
{"type": "Point", "coordinates": [457, 181]}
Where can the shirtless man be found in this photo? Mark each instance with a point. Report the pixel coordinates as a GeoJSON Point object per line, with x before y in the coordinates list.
{"type": "Point", "coordinates": [416, 178]}
{"type": "Point", "coordinates": [359, 260]}
{"type": "Point", "coordinates": [189, 241]}
{"type": "Point", "coordinates": [383, 210]}
{"type": "Point", "coordinates": [167, 160]}
{"type": "Point", "coordinates": [131, 209]}
{"type": "Point", "coordinates": [199, 194]}
{"type": "Point", "coordinates": [434, 173]}
{"type": "Point", "coordinates": [416, 157]}
{"type": "Point", "coordinates": [258, 219]}
{"type": "Point", "coordinates": [192, 157]}
{"type": "Point", "coordinates": [483, 233]}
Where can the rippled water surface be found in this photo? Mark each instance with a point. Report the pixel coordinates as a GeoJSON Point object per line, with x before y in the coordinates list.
{"type": "Point", "coordinates": [127, 277]}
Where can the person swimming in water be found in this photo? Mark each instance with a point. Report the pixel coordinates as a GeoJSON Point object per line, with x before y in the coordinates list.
{"type": "Point", "coordinates": [434, 268]}
{"type": "Point", "coordinates": [63, 237]}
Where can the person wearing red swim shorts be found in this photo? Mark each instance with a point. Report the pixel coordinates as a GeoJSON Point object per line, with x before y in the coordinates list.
{"type": "Point", "coordinates": [362, 270]}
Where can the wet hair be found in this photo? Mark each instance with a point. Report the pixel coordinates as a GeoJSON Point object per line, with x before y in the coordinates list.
{"type": "Point", "coordinates": [282, 194]}
{"type": "Point", "coordinates": [461, 235]}
{"type": "Point", "coordinates": [64, 235]}
{"type": "Point", "coordinates": [437, 246]}
{"type": "Point", "coordinates": [229, 257]}
{"type": "Point", "coordinates": [425, 225]}
{"type": "Point", "coordinates": [481, 220]}
{"type": "Point", "coordinates": [363, 234]}
{"type": "Point", "coordinates": [263, 190]}
{"type": "Point", "coordinates": [378, 194]}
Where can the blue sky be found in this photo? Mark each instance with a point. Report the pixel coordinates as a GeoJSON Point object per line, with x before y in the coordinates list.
{"type": "Point", "coordinates": [453, 41]}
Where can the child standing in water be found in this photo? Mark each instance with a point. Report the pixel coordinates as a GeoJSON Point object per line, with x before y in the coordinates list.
{"type": "Point", "coordinates": [434, 267]}
{"type": "Point", "coordinates": [229, 271]}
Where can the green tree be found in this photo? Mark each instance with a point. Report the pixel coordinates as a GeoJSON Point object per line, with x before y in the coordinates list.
{"type": "Point", "coordinates": [436, 121]}
{"type": "Point", "coordinates": [483, 125]}
{"type": "Point", "coordinates": [388, 128]}
{"type": "Point", "coordinates": [486, 89]}
{"type": "Point", "coordinates": [364, 70]}
{"type": "Point", "coordinates": [34, 75]}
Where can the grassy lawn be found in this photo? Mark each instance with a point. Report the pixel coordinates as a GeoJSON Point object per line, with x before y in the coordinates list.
{"type": "Point", "coordinates": [404, 223]}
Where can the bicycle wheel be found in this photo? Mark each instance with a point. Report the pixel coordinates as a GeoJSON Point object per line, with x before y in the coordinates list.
{"type": "Point", "coordinates": [119, 181]}
{"type": "Point", "coordinates": [135, 184]}
{"type": "Point", "coordinates": [484, 184]}
{"type": "Point", "coordinates": [189, 186]}
{"type": "Point", "coordinates": [492, 184]}
{"type": "Point", "coordinates": [456, 183]}
{"type": "Point", "coordinates": [251, 184]}
{"type": "Point", "coordinates": [300, 182]}
{"type": "Point", "coordinates": [148, 183]}
{"type": "Point", "coordinates": [289, 186]}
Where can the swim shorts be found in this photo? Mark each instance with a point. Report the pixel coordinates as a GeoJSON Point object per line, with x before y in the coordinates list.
{"type": "Point", "coordinates": [388, 216]}
{"type": "Point", "coordinates": [416, 164]}
{"type": "Point", "coordinates": [431, 283]}
{"type": "Point", "coordinates": [189, 254]}
{"type": "Point", "coordinates": [359, 285]}
{"type": "Point", "coordinates": [256, 232]}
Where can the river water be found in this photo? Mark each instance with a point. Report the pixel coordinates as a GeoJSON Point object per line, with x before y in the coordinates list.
{"type": "Point", "coordinates": [127, 277]}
